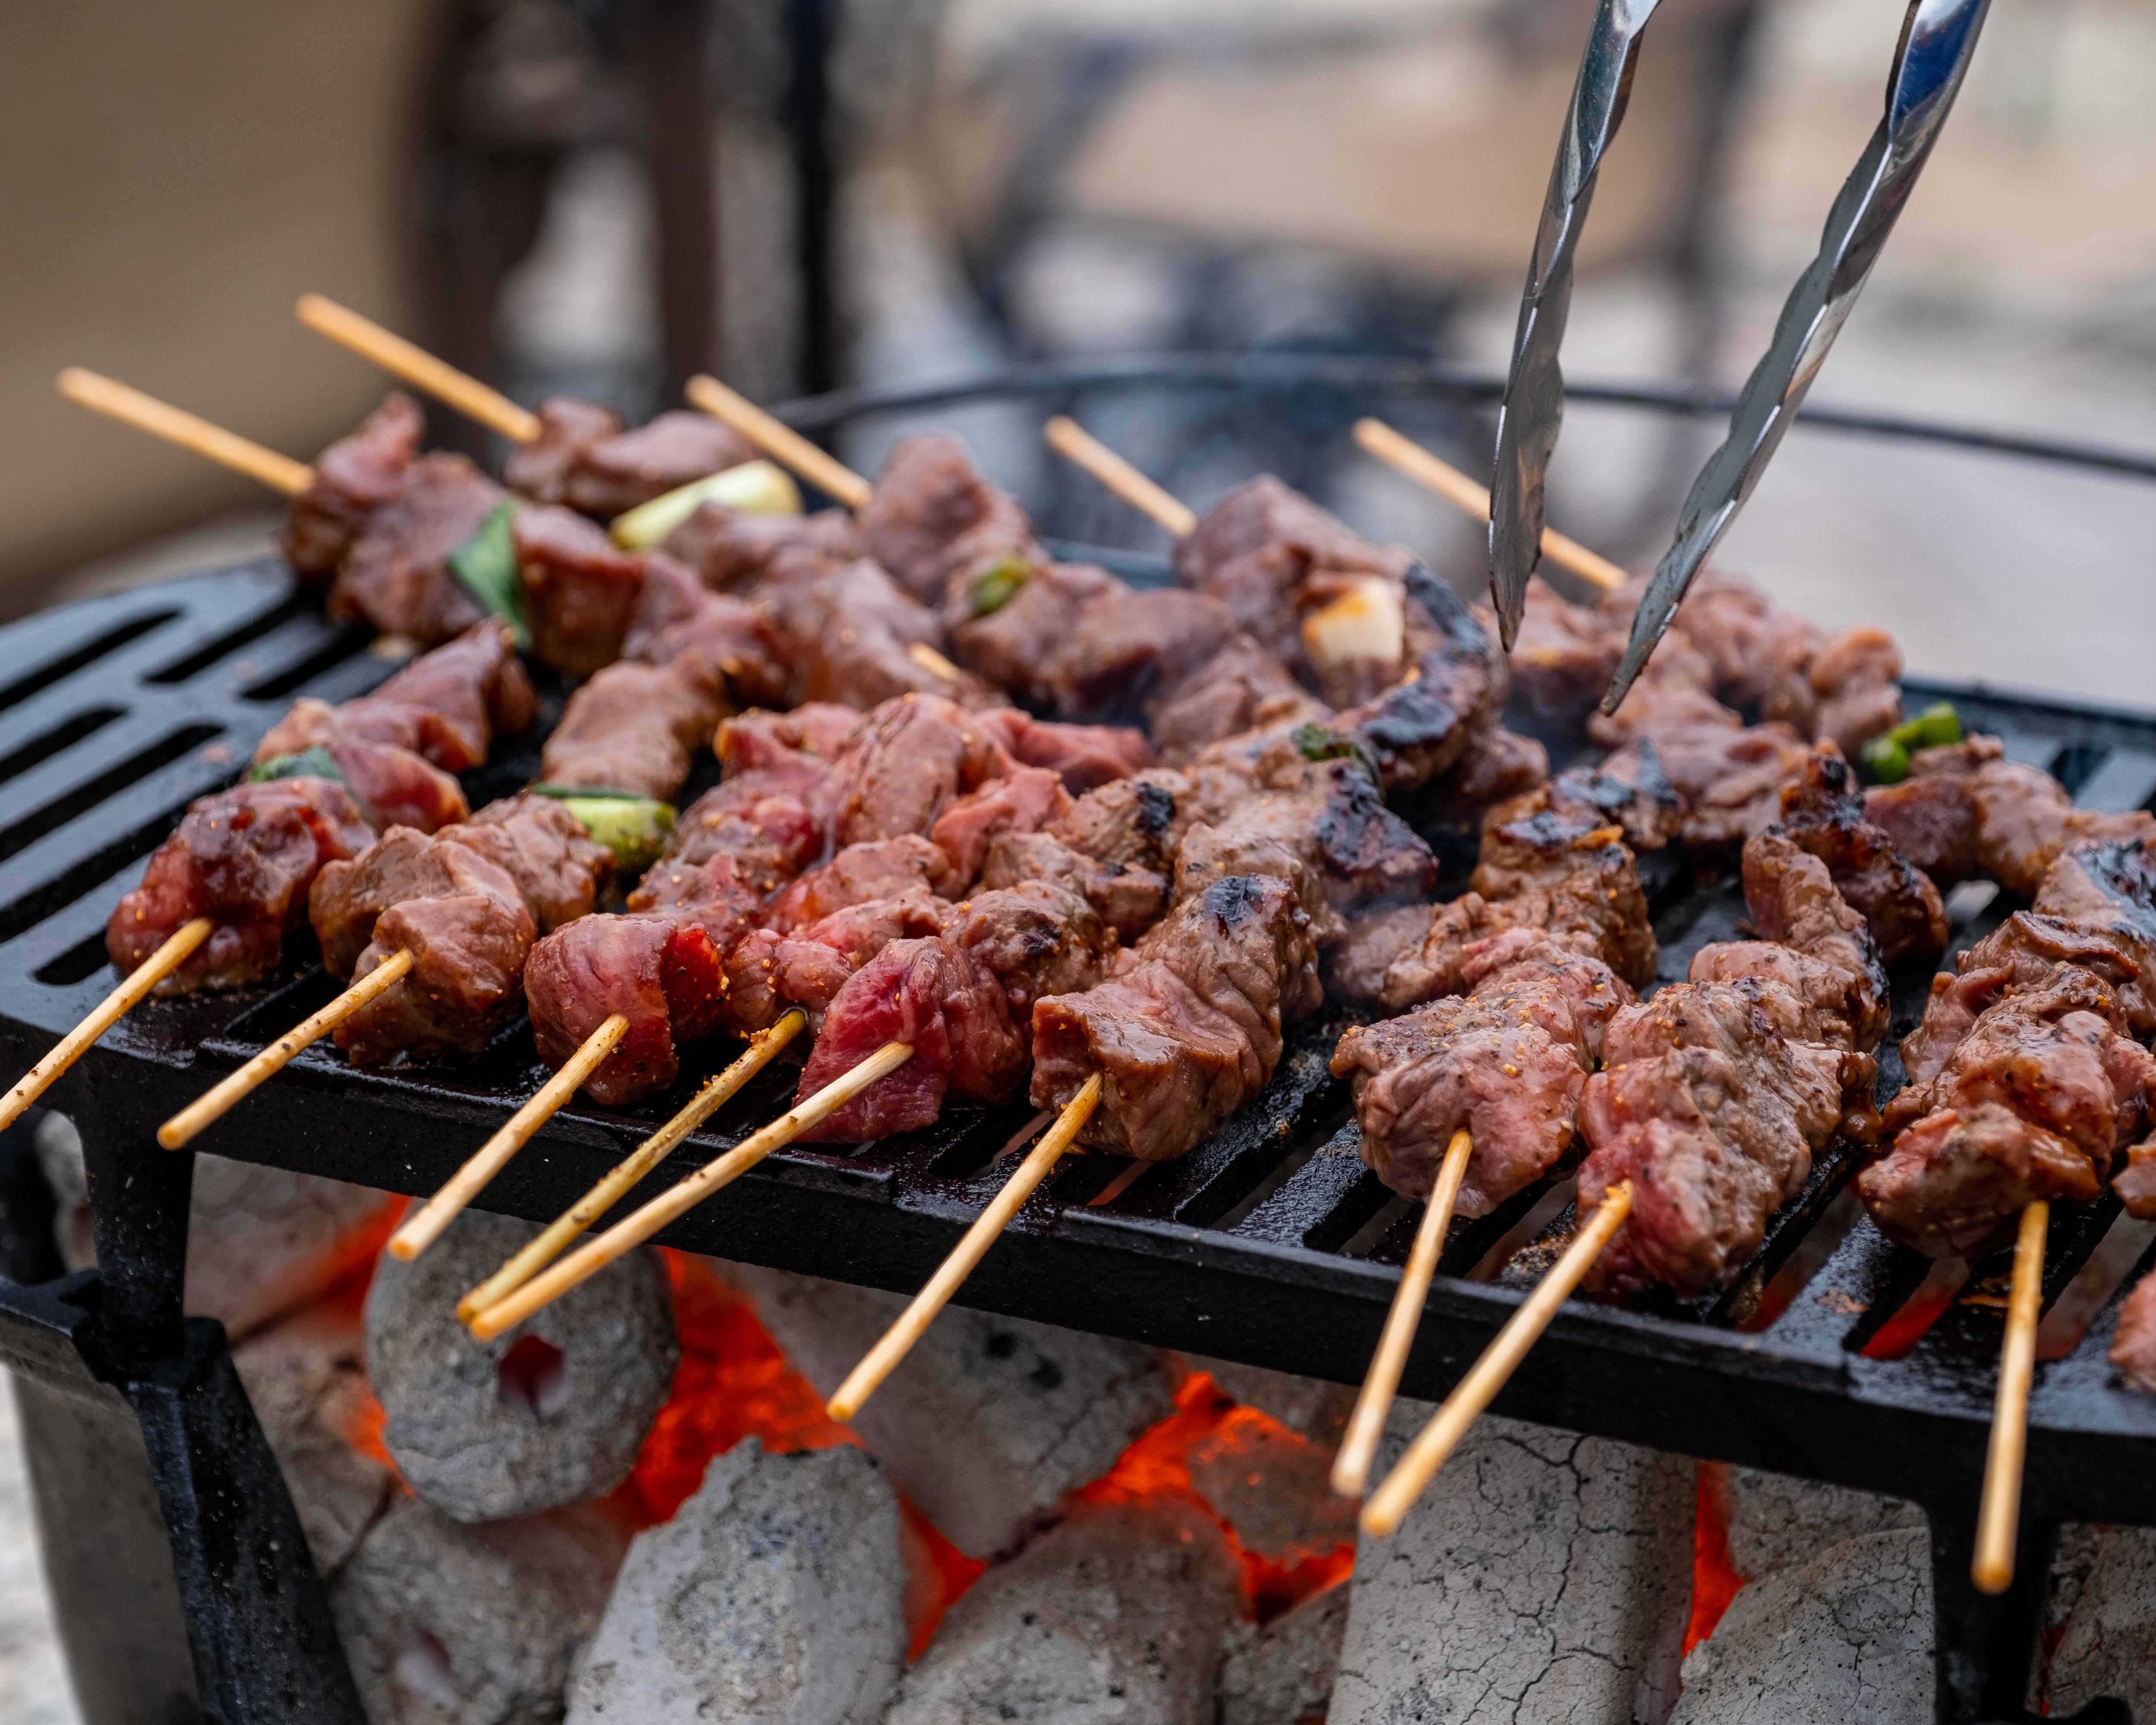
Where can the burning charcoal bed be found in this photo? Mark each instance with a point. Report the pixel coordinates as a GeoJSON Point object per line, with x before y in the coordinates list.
{"type": "Point", "coordinates": [1835, 1356]}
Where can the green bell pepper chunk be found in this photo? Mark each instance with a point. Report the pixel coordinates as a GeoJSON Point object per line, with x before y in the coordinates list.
{"type": "Point", "coordinates": [486, 567]}
{"type": "Point", "coordinates": [307, 764]}
{"type": "Point", "coordinates": [996, 586]}
{"type": "Point", "coordinates": [634, 828]}
{"type": "Point", "coordinates": [1887, 756]}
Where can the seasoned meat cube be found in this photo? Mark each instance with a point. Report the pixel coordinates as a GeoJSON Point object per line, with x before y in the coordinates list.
{"type": "Point", "coordinates": [932, 518]}
{"type": "Point", "coordinates": [1562, 658]}
{"type": "Point", "coordinates": [908, 761]}
{"type": "Point", "coordinates": [2033, 1102]}
{"type": "Point", "coordinates": [1128, 899]}
{"type": "Point", "coordinates": [468, 933]}
{"type": "Point", "coordinates": [1027, 799]}
{"type": "Point", "coordinates": [1824, 812]}
{"type": "Point", "coordinates": [393, 786]}
{"type": "Point", "coordinates": [1132, 823]}
{"type": "Point", "coordinates": [1507, 1063]}
{"type": "Point", "coordinates": [245, 858]}
{"type": "Point", "coordinates": [804, 738]}
{"type": "Point", "coordinates": [541, 846]}
{"type": "Point", "coordinates": [578, 589]}
{"type": "Point", "coordinates": [1731, 777]}
{"type": "Point", "coordinates": [1792, 899]}
{"type": "Point", "coordinates": [849, 631]}
{"type": "Point", "coordinates": [880, 868]}
{"type": "Point", "coordinates": [584, 457]}
{"type": "Point", "coordinates": [1241, 688]}
{"type": "Point", "coordinates": [1356, 964]}
{"type": "Point", "coordinates": [1038, 938]}
{"type": "Point", "coordinates": [1124, 655]}
{"type": "Point", "coordinates": [1674, 693]}
{"type": "Point", "coordinates": [662, 975]}
{"type": "Point", "coordinates": [1567, 962]}
{"type": "Point", "coordinates": [1417, 730]}
{"type": "Point", "coordinates": [710, 894]}
{"type": "Point", "coordinates": [1190, 1028]}
{"type": "Point", "coordinates": [631, 729]}
{"type": "Point", "coordinates": [348, 895]}
{"type": "Point", "coordinates": [756, 819]}
{"type": "Point", "coordinates": [731, 551]}
{"type": "Point", "coordinates": [1084, 756]}
{"type": "Point", "coordinates": [1585, 872]}
{"type": "Point", "coordinates": [396, 576]}
{"type": "Point", "coordinates": [352, 479]}
{"type": "Point", "coordinates": [946, 1004]}
{"type": "Point", "coordinates": [474, 690]}
{"type": "Point", "coordinates": [542, 469]}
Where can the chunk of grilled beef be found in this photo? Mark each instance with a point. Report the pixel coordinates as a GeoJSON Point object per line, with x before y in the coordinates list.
{"type": "Point", "coordinates": [1793, 900]}
{"type": "Point", "coordinates": [731, 551]}
{"type": "Point", "coordinates": [539, 844]}
{"type": "Point", "coordinates": [1084, 756]}
{"type": "Point", "coordinates": [632, 728]}
{"type": "Point", "coordinates": [932, 518]}
{"type": "Point", "coordinates": [1417, 730]}
{"type": "Point", "coordinates": [583, 456]}
{"type": "Point", "coordinates": [661, 972]}
{"type": "Point", "coordinates": [393, 786]}
{"type": "Point", "coordinates": [1713, 1105]}
{"type": "Point", "coordinates": [473, 690]}
{"type": "Point", "coordinates": [725, 644]}
{"type": "Point", "coordinates": [465, 924]}
{"type": "Point", "coordinates": [1241, 688]}
{"type": "Point", "coordinates": [942, 1001]}
{"type": "Point", "coordinates": [2034, 1101]}
{"type": "Point", "coordinates": [1562, 659]}
{"type": "Point", "coordinates": [1731, 777]}
{"type": "Point", "coordinates": [579, 590]}
{"type": "Point", "coordinates": [1128, 899]}
{"type": "Point", "coordinates": [396, 576]}
{"type": "Point", "coordinates": [352, 479]}
{"type": "Point", "coordinates": [245, 858]}
{"type": "Point", "coordinates": [1038, 938]}
{"type": "Point", "coordinates": [1823, 811]}
{"type": "Point", "coordinates": [909, 760]}
{"type": "Point", "coordinates": [1189, 1027]}
{"type": "Point", "coordinates": [1026, 799]}
{"type": "Point", "coordinates": [1585, 871]}
{"type": "Point", "coordinates": [879, 868]}
{"type": "Point", "coordinates": [850, 631]}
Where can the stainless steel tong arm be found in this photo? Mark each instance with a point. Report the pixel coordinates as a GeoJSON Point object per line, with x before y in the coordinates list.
{"type": "Point", "coordinates": [1533, 410]}
{"type": "Point", "coordinates": [1937, 37]}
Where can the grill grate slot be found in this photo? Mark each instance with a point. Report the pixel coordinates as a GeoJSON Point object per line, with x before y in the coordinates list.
{"type": "Point", "coordinates": [116, 778]}
{"type": "Point", "coordinates": [68, 664]}
{"type": "Point", "coordinates": [345, 645]}
{"type": "Point", "coordinates": [65, 735]}
{"type": "Point", "coordinates": [223, 646]}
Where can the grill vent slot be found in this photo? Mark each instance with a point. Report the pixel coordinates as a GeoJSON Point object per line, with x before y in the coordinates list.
{"type": "Point", "coordinates": [54, 671]}
{"type": "Point", "coordinates": [87, 795]}
{"type": "Point", "coordinates": [221, 646]}
{"type": "Point", "coordinates": [45, 747]}
{"type": "Point", "coordinates": [348, 644]}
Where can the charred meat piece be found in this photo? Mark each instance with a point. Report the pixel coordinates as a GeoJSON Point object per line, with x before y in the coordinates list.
{"type": "Point", "coordinates": [1713, 1106]}
{"type": "Point", "coordinates": [352, 479]}
{"type": "Point", "coordinates": [1587, 872]}
{"type": "Point", "coordinates": [1824, 812]}
{"type": "Point", "coordinates": [1036, 938]}
{"type": "Point", "coordinates": [245, 858]}
{"type": "Point", "coordinates": [1084, 756]}
{"type": "Point", "coordinates": [731, 551]}
{"type": "Point", "coordinates": [942, 1001]}
{"type": "Point", "coordinates": [932, 518]}
{"type": "Point", "coordinates": [1793, 900]}
{"type": "Point", "coordinates": [1419, 729]}
{"type": "Point", "coordinates": [1731, 777]}
{"type": "Point", "coordinates": [2033, 1102]}
{"type": "Point", "coordinates": [1132, 822]}
{"type": "Point", "coordinates": [468, 930]}
{"type": "Point", "coordinates": [1644, 808]}
{"type": "Point", "coordinates": [1190, 1027]}
{"type": "Point", "coordinates": [1128, 899]}
{"type": "Point", "coordinates": [584, 457]}
{"type": "Point", "coordinates": [1674, 694]}
{"type": "Point", "coordinates": [661, 974]}
{"type": "Point", "coordinates": [396, 576]}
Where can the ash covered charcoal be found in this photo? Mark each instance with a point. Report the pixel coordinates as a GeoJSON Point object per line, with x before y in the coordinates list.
{"type": "Point", "coordinates": [549, 1414]}
{"type": "Point", "coordinates": [1272, 1488]}
{"type": "Point", "coordinates": [1285, 1671]}
{"type": "Point", "coordinates": [444, 1624]}
{"type": "Point", "coordinates": [776, 1594]}
{"type": "Point", "coordinates": [1118, 1612]}
{"type": "Point", "coordinates": [1551, 1580]}
{"type": "Point", "coordinates": [991, 1420]}
{"type": "Point", "coordinates": [306, 1379]}
{"type": "Point", "coordinates": [1310, 1407]}
{"type": "Point", "coordinates": [2106, 1643]}
{"type": "Point", "coordinates": [1846, 1634]}
{"type": "Point", "coordinates": [1777, 1522]}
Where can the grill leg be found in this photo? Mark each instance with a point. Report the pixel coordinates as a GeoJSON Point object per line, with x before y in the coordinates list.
{"type": "Point", "coordinates": [1985, 1647]}
{"type": "Point", "coordinates": [263, 1647]}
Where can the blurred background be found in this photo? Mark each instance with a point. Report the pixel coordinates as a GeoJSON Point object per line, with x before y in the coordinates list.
{"type": "Point", "coordinates": [606, 196]}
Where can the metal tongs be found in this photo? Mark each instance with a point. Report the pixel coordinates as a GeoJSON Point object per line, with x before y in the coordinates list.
{"type": "Point", "coordinates": [1937, 37]}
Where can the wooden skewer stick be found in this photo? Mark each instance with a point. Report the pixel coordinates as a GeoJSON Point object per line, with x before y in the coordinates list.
{"type": "Point", "coordinates": [1081, 448]}
{"type": "Point", "coordinates": [1350, 1467]}
{"type": "Point", "coordinates": [934, 663]}
{"type": "Point", "coordinates": [780, 441]}
{"type": "Point", "coordinates": [1998, 1514]}
{"type": "Point", "coordinates": [1463, 494]}
{"type": "Point", "coordinates": [913, 1324]}
{"type": "Point", "coordinates": [1391, 1502]}
{"type": "Point", "coordinates": [175, 425]}
{"type": "Point", "coordinates": [424, 1225]}
{"type": "Point", "coordinates": [177, 950]}
{"type": "Point", "coordinates": [632, 1231]}
{"type": "Point", "coordinates": [214, 1103]}
{"type": "Point", "coordinates": [419, 368]}
{"type": "Point", "coordinates": [647, 1155]}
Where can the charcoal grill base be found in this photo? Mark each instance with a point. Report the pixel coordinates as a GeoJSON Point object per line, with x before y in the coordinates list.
{"type": "Point", "coordinates": [1268, 1245]}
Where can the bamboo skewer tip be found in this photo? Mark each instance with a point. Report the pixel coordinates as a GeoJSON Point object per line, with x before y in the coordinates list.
{"type": "Point", "coordinates": [1120, 478]}
{"type": "Point", "coordinates": [913, 1324]}
{"type": "Point", "coordinates": [1999, 1513]}
{"type": "Point", "coordinates": [184, 430]}
{"type": "Point", "coordinates": [1358, 1443]}
{"type": "Point", "coordinates": [414, 365]}
{"type": "Point", "coordinates": [779, 441]}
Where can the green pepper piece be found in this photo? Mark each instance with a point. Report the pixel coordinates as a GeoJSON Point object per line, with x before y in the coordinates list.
{"type": "Point", "coordinates": [486, 567]}
{"type": "Point", "coordinates": [634, 828]}
{"type": "Point", "coordinates": [307, 764]}
{"type": "Point", "coordinates": [1887, 760]}
{"type": "Point", "coordinates": [1318, 743]}
{"type": "Point", "coordinates": [753, 488]}
{"type": "Point", "coordinates": [996, 586]}
{"type": "Point", "coordinates": [1938, 726]}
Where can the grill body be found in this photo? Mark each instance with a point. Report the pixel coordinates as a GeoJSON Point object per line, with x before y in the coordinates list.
{"type": "Point", "coordinates": [1270, 1244]}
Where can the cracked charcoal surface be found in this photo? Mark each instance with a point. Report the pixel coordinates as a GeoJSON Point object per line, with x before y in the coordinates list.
{"type": "Point", "coordinates": [1283, 1672]}
{"type": "Point", "coordinates": [1117, 1614]}
{"type": "Point", "coordinates": [1544, 1579]}
{"type": "Point", "coordinates": [306, 1379]}
{"type": "Point", "coordinates": [1777, 1522]}
{"type": "Point", "coordinates": [1307, 1406]}
{"type": "Point", "coordinates": [445, 1623]}
{"type": "Point", "coordinates": [775, 1594]}
{"type": "Point", "coordinates": [2108, 1644]}
{"type": "Point", "coordinates": [1846, 1636]}
{"type": "Point", "coordinates": [1273, 1489]}
{"type": "Point", "coordinates": [261, 1241]}
{"type": "Point", "coordinates": [990, 1421]}
{"type": "Point", "coordinates": [477, 1452]}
